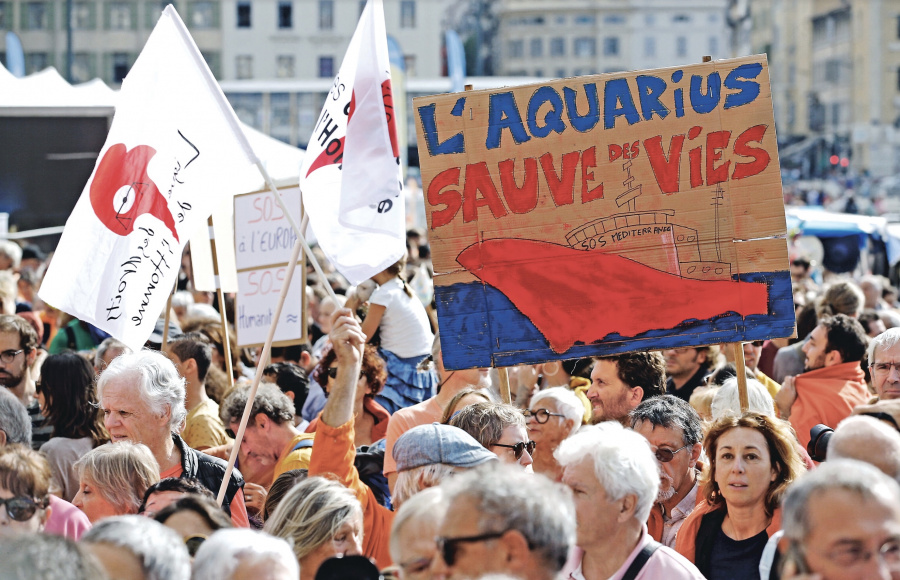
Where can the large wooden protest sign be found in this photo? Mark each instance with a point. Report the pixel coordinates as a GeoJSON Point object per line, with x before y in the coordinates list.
{"type": "Point", "coordinates": [605, 214]}
{"type": "Point", "coordinates": [263, 240]}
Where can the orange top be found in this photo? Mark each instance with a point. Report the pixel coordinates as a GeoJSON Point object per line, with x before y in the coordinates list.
{"type": "Point", "coordinates": [333, 453]}
{"type": "Point", "coordinates": [827, 395]}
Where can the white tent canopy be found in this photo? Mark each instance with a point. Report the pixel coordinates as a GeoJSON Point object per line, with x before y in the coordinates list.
{"type": "Point", "coordinates": [47, 93]}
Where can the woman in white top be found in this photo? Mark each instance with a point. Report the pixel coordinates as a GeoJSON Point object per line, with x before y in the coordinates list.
{"type": "Point", "coordinates": [406, 338]}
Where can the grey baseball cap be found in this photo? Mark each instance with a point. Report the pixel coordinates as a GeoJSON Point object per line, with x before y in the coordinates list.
{"type": "Point", "coordinates": [436, 443]}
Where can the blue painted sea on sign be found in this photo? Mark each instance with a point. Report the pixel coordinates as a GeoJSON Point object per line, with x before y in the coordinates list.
{"type": "Point", "coordinates": [480, 327]}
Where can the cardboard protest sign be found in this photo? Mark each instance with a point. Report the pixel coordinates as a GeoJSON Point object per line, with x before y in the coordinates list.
{"type": "Point", "coordinates": [263, 240]}
{"type": "Point", "coordinates": [605, 214]}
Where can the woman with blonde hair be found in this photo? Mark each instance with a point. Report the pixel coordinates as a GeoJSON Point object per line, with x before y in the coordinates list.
{"type": "Point", "coordinates": [114, 478]}
{"type": "Point", "coordinates": [322, 519]}
{"type": "Point", "coordinates": [752, 461]}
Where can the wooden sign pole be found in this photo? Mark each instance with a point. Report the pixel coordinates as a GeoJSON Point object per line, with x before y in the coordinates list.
{"type": "Point", "coordinates": [505, 393]}
{"type": "Point", "coordinates": [226, 343]}
{"type": "Point", "coordinates": [741, 375]}
{"type": "Point", "coordinates": [165, 340]}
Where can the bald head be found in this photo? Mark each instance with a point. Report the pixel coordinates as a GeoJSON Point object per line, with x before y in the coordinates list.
{"type": "Point", "coordinates": [867, 439]}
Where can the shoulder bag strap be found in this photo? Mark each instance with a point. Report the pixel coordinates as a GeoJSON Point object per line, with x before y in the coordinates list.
{"type": "Point", "coordinates": [638, 563]}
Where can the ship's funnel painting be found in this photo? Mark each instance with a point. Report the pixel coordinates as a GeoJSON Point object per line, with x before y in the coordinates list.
{"type": "Point", "coordinates": [603, 214]}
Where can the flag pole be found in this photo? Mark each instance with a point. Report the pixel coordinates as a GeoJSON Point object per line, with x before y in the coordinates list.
{"type": "Point", "coordinates": [297, 230]}
{"type": "Point", "coordinates": [226, 343]}
{"type": "Point", "coordinates": [267, 349]}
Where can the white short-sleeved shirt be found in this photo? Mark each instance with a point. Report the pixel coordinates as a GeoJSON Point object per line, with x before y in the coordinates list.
{"type": "Point", "coordinates": [405, 330]}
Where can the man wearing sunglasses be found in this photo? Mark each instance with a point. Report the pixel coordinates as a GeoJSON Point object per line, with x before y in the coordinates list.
{"type": "Point", "coordinates": [18, 349]}
{"type": "Point", "coordinates": [615, 480]}
{"type": "Point", "coordinates": [503, 520]}
{"type": "Point", "coordinates": [673, 429]}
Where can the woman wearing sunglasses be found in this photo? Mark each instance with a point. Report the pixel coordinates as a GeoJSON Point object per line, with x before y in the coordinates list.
{"type": "Point", "coordinates": [24, 490]}
{"type": "Point", "coordinates": [371, 418]}
{"type": "Point", "coordinates": [552, 416]}
{"type": "Point", "coordinates": [499, 428]}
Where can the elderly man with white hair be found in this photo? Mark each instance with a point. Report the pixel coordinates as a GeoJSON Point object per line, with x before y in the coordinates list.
{"type": "Point", "coordinates": [142, 398]}
{"type": "Point", "coordinates": [232, 554]}
{"type": "Point", "coordinates": [615, 480]}
{"type": "Point", "coordinates": [553, 415]}
{"type": "Point", "coordinates": [869, 440]}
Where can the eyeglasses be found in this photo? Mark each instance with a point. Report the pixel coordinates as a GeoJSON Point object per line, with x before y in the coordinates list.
{"type": "Point", "coordinates": [519, 449]}
{"type": "Point", "coordinates": [193, 544]}
{"type": "Point", "coordinates": [540, 415]}
{"type": "Point", "coordinates": [666, 455]}
{"type": "Point", "coordinates": [7, 356]}
{"type": "Point", "coordinates": [884, 368]}
{"type": "Point", "coordinates": [850, 556]}
{"type": "Point", "coordinates": [21, 508]}
{"type": "Point", "coordinates": [332, 372]}
{"type": "Point", "coordinates": [449, 546]}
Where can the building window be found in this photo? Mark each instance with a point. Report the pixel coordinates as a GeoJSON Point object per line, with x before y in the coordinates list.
{"type": "Point", "coordinates": [611, 46]}
{"type": "Point", "coordinates": [284, 66]}
{"type": "Point", "coordinates": [83, 16]}
{"type": "Point", "coordinates": [586, 19]}
{"type": "Point", "coordinates": [614, 19]}
{"type": "Point", "coordinates": [5, 17]}
{"type": "Point", "coordinates": [538, 72]}
{"type": "Point", "coordinates": [36, 61]}
{"type": "Point", "coordinates": [557, 46]}
{"type": "Point", "coordinates": [203, 14]}
{"type": "Point", "coordinates": [213, 61]}
{"type": "Point", "coordinates": [713, 45]}
{"type": "Point", "coordinates": [515, 49]}
{"type": "Point", "coordinates": [409, 63]}
{"type": "Point", "coordinates": [82, 67]}
{"type": "Point", "coordinates": [326, 15]}
{"type": "Point", "coordinates": [408, 14]}
{"type": "Point", "coordinates": [560, 73]}
{"type": "Point", "coordinates": [243, 15]}
{"type": "Point", "coordinates": [243, 65]}
{"type": "Point", "coordinates": [585, 46]}
{"type": "Point", "coordinates": [119, 16]}
{"type": "Point", "coordinates": [537, 47]}
{"type": "Point", "coordinates": [681, 46]}
{"type": "Point", "coordinates": [285, 15]}
{"type": "Point", "coordinates": [120, 67]}
{"type": "Point", "coordinates": [326, 67]}
{"type": "Point", "coordinates": [649, 19]}
{"type": "Point", "coordinates": [561, 20]}
{"type": "Point", "coordinates": [649, 46]}
{"type": "Point", "coordinates": [681, 18]}
{"type": "Point", "coordinates": [37, 16]}
{"type": "Point", "coordinates": [835, 113]}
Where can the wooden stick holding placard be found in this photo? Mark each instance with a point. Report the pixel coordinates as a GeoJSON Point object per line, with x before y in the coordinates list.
{"type": "Point", "coordinates": [165, 338]}
{"type": "Point", "coordinates": [226, 343]}
{"type": "Point", "coordinates": [741, 375]}
{"type": "Point", "coordinates": [304, 299]}
{"type": "Point", "coordinates": [505, 393]}
{"type": "Point", "coordinates": [266, 352]}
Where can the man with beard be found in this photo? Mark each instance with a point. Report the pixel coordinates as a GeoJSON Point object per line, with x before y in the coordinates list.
{"type": "Point", "coordinates": [620, 382]}
{"type": "Point", "coordinates": [18, 349]}
{"type": "Point", "coordinates": [430, 410]}
{"type": "Point", "coordinates": [672, 428]}
{"type": "Point", "coordinates": [834, 382]}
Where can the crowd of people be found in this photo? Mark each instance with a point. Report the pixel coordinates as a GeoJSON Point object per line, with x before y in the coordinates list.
{"type": "Point", "coordinates": [363, 457]}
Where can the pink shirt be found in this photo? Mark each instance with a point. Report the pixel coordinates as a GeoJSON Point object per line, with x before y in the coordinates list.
{"type": "Point", "coordinates": [664, 563]}
{"type": "Point", "coordinates": [66, 520]}
{"type": "Point", "coordinates": [424, 413]}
